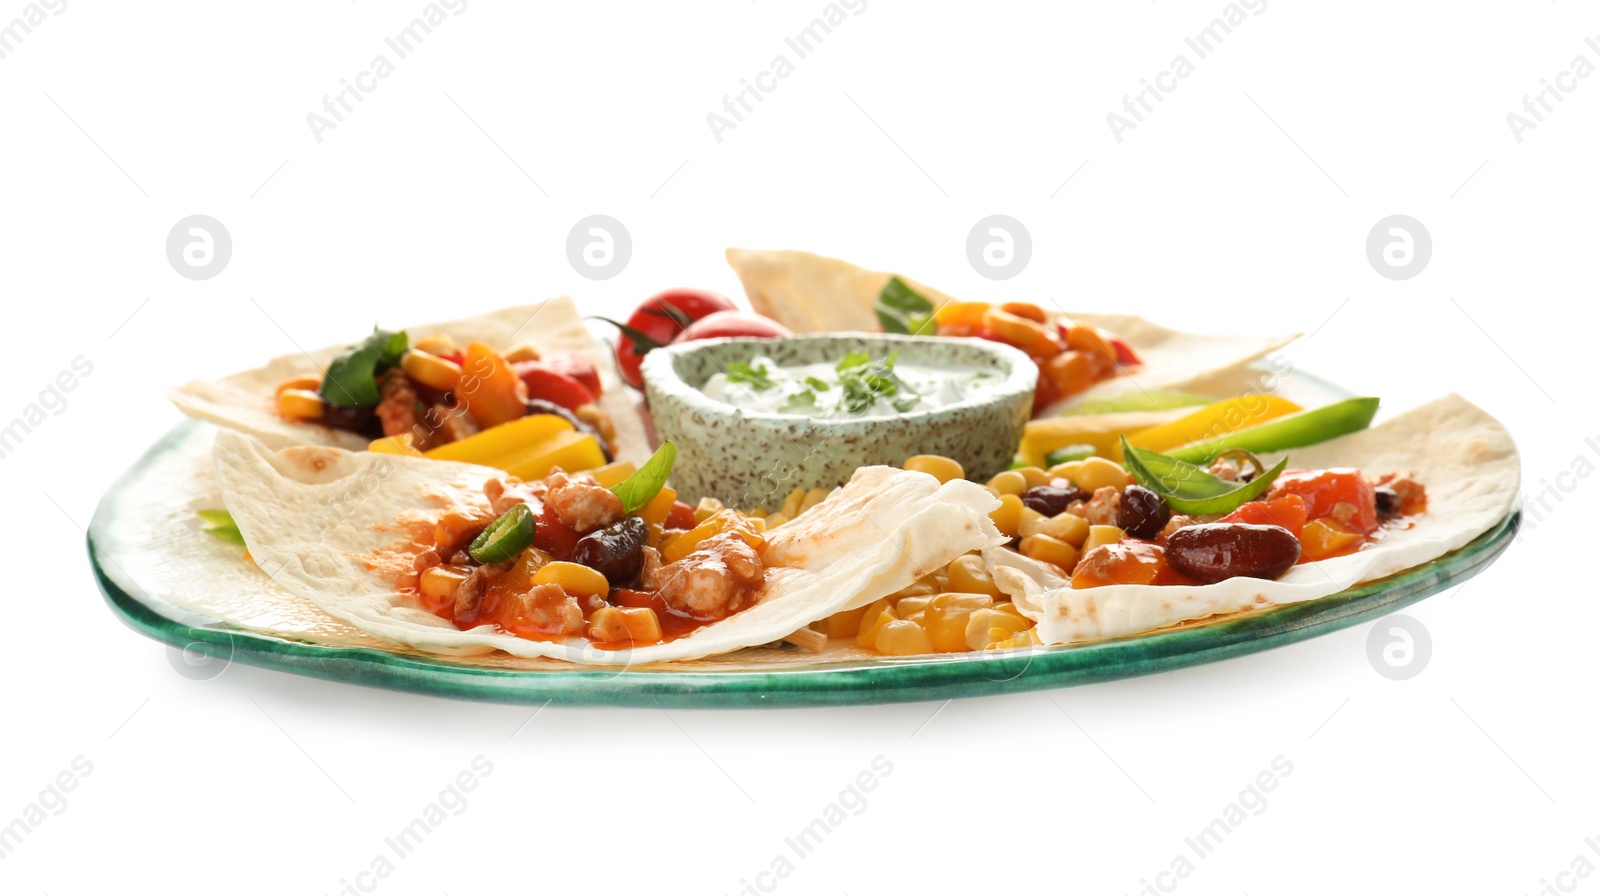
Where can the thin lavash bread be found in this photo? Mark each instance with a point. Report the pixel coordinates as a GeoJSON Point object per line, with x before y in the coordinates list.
{"type": "Point", "coordinates": [244, 401]}
{"type": "Point", "coordinates": [812, 293]}
{"type": "Point", "coordinates": [314, 517]}
{"type": "Point", "coordinates": [1464, 457]}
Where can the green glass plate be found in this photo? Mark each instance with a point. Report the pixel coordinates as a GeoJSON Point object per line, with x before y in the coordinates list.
{"type": "Point", "coordinates": [169, 581]}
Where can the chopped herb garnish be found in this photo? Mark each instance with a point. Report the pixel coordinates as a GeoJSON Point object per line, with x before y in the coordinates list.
{"type": "Point", "coordinates": [863, 381]}
{"type": "Point", "coordinates": [852, 359]}
{"type": "Point", "coordinates": [756, 376]}
{"type": "Point", "coordinates": [801, 401]}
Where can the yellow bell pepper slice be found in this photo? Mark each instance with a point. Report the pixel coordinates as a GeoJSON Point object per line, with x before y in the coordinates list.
{"type": "Point", "coordinates": [571, 451]}
{"type": "Point", "coordinates": [1041, 437]}
{"type": "Point", "coordinates": [1226, 416]}
{"type": "Point", "coordinates": [503, 440]}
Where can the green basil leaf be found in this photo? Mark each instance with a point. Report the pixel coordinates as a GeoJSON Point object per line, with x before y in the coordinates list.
{"type": "Point", "coordinates": [901, 309]}
{"type": "Point", "coordinates": [352, 378]}
{"type": "Point", "coordinates": [641, 488]}
{"type": "Point", "coordinates": [505, 538]}
{"type": "Point", "coordinates": [1189, 489]}
{"type": "Point", "coordinates": [220, 524]}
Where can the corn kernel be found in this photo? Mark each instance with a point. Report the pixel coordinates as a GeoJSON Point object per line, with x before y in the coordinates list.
{"type": "Point", "coordinates": [300, 404]}
{"type": "Point", "coordinates": [878, 613]}
{"type": "Point", "coordinates": [681, 546]}
{"type": "Point", "coordinates": [941, 468]}
{"type": "Point", "coordinates": [1069, 471]}
{"type": "Point", "coordinates": [813, 498]}
{"type": "Point", "coordinates": [1009, 482]}
{"type": "Point", "coordinates": [1049, 550]}
{"type": "Point", "coordinates": [574, 578]}
{"type": "Point", "coordinates": [1034, 476]}
{"type": "Point", "coordinates": [773, 521]}
{"type": "Point", "coordinates": [613, 473]}
{"type": "Point", "coordinates": [901, 637]}
{"type": "Point", "coordinates": [1099, 535]}
{"type": "Point", "coordinates": [439, 583]}
{"type": "Point", "coordinates": [945, 619]}
{"type": "Point", "coordinates": [437, 344]}
{"type": "Point", "coordinates": [844, 624]}
{"type": "Point", "coordinates": [906, 607]}
{"type": "Point", "coordinates": [1067, 527]}
{"type": "Point", "coordinates": [1010, 609]}
{"type": "Point", "coordinates": [985, 626]}
{"type": "Point", "coordinates": [707, 508]}
{"type": "Point", "coordinates": [1098, 473]}
{"type": "Point", "coordinates": [620, 624]}
{"type": "Point", "coordinates": [522, 351]}
{"type": "Point", "coordinates": [431, 370]}
{"type": "Point", "coordinates": [1028, 521]}
{"type": "Point", "coordinates": [791, 503]}
{"type": "Point", "coordinates": [970, 575]}
{"type": "Point", "coordinates": [308, 382]}
{"type": "Point", "coordinates": [919, 588]}
{"type": "Point", "coordinates": [1008, 515]}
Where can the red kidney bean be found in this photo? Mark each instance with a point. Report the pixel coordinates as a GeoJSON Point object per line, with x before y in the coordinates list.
{"type": "Point", "coordinates": [1051, 500]}
{"type": "Point", "coordinates": [1141, 512]}
{"type": "Point", "coordinates": [1211, 552]}
{"type": "Point", "coordinates": [616, 551]}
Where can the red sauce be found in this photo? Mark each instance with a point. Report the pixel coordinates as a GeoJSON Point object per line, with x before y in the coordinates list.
{"type": "Point", "coordinates": [675, 624]}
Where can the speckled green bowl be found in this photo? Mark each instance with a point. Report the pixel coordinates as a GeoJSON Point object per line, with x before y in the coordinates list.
{"type": "Point", "coordinates": [753, 459]}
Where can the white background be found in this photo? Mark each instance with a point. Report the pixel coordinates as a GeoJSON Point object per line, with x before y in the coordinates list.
{"type": "Point", "coordinates": [1242, 203]}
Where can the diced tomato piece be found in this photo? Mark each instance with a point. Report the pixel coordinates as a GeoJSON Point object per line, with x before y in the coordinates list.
{"type": "Point", "coordinates": [1326, 538]}
{"type": "Point", "coordinates": [1045, 393]}
{"type": "Point", "coordinates": [542, 381]}
{"type": "Point", "coordinates": [553, 536]}
{"type": "Point", "coordinates": [489, 388]}
{"type": "Point", "coordinates": [1126, 356]}
{"type": "Point", "coordinates": [681, 516]}
{"type": "Point", "coordinates": [1288, 511]}
{"type": "Point", "coordinates": [578, 366]}
{"type": "Point", "coordinates": [1341, 494]}
{"type": "Point", "coordinates": [1128, 562]}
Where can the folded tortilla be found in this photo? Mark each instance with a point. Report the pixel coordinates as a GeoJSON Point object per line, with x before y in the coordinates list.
{"type": "Point", "coordinates": [1463, 456]}
{"type": "Point", "coordinates": [246, 401]}
{"type": "Point", "coordinates": [812, 294]}
{"type": "Point", "coordinates": [321, 522]}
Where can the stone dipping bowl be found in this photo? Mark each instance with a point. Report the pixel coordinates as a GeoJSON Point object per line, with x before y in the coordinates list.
{"type": "Point", "coordinates": [749, 459]}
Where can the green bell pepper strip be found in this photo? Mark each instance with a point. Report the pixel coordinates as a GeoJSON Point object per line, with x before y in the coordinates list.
{"type": "Point", "coordinates": [1294, 431]}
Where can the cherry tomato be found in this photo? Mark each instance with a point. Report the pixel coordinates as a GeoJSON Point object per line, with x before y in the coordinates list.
{"type": "Point", "coordinates": [550, 385]}
{"type": "Point", "coordinates": [659, 319]}
{"type": "Point", "coordinates": [1344, 495]}
{"type": "Point", "coordinates": [733, 323]}
{"type": "Point", "coordinates": [578, 366]}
